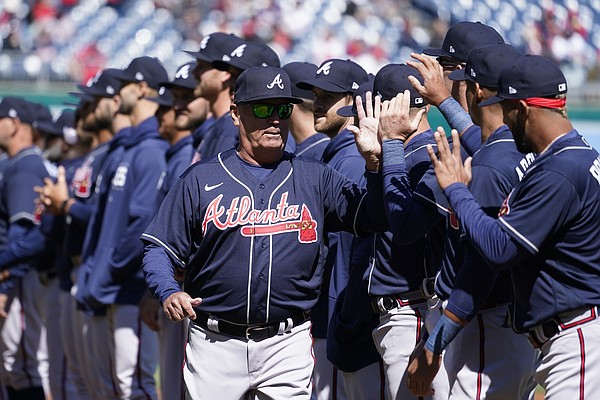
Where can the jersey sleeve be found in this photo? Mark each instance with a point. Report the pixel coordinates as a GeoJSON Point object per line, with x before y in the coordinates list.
{"type": "Point", "coordinates": [539, 210]}
{"type": "Point", "coordinates": [21, 200]}
{"type": "Point", "coordinates": [159, 272]}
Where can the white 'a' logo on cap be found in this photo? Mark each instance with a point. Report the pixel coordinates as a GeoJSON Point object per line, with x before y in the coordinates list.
{"type": "Point", "coordinates": [239, 51]}
{"type": "Point", "coordinates": [204, 42]}
{"type": "Point", "coordinates": [276, 81]}
{"type": "Point", "coordinates": [451, 50]}
{"type": "Point", "coordinates": [354, 85]}
{"type": "Point", "coordinates": [512, 90]}
{"type": "Point", "coordinates": [562, 87]}
{"type": "Point", "coordinates": [184, 72]}
{"type": "Point", "coordinates": [139, 76]}
{"type": "Point", "coordinates": [324, 69]}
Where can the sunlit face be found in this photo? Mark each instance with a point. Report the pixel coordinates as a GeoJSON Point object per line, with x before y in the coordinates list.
{"type": "Point", "coordinates": [211, 81]}
{"type": "Point", "coordinates": [190, 111]}
{"type": "Point", "coordinates": [262, 139]}
{"type": "Point", "coordinates": [515, 119]}
{"type": "Point", "coordinates": [326, 104]}
{"type": "Point", "coordinates": [130, 94]}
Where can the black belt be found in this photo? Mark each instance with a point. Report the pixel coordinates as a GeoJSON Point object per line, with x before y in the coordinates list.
{"type": "Point", "coordinates": [383, 304]}
{"type": "Point", "coordinates": [542, 333]}
{"type": "Point", "coordinates": [250, 332]}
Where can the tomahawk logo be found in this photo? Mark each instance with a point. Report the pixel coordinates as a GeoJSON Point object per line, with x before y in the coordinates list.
{"type": "Point", "coordinates": [184, 72]}
{"type": "Point", "coordinates": [276, 81]}
{"type": "Point", "coordinates": [325, 68]}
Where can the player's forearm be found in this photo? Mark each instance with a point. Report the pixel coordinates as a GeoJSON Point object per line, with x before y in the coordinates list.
{"type": "Point", "coordinates": [159, 272]}
{"type": "Point", "coordinates": [80, 212]}
{"type": "Point", "coordinates": [25, 241]}
{"type": "Point", "coordinates": [483, 231]}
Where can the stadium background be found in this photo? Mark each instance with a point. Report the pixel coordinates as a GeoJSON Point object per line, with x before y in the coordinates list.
{"type": "Point", "coordinates": [48, 46]}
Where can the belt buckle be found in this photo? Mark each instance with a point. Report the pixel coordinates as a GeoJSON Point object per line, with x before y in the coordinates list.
{"type": "Point", "coordinates": [253, 330]}
{"type": "Point", "coordinates": [428, 287]}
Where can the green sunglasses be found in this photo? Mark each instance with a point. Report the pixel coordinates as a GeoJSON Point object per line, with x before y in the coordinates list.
{"type": "Point", "coordinates": [264, 111]}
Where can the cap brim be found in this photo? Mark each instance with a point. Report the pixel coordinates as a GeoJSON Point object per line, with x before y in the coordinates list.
{"type": "Point", "coordinates": [199, 56]}
{"type": "Point", "coordinates": [170, 85]}
{"type": "Point", "coordinates": [293, 100]}
{"type": "Point", "coordinates": [124, 76]}
{"type": "Point", "coordinates": [490, 101]}
{"type": "Point", "coordinates": [160, 101]}
{"type": "Point", "coordinates": [48, 128]}
{"type": "Point", "coordinates": [458, 75]}
{"type": "Point", "coordinates": [433, 51]}
{"type": "Point", "coordinates": [346, 111]}
{"type": "Point", "coordinates": [321, 84]}
{"type": "Point", "coordinates": [95, 92]}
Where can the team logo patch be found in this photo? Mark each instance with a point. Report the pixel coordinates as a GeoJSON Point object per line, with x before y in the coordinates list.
{"type": "Point", "coordinates": [284, 218]}
{"type": "Point", "coordinates": [504, 209]}
{"type": "Point", "coordinates": [204, 41]}
{"type": "Point", "coordinates": [184, 72]}
{"type": "Point", "coordinates": [324, 69]}
{"type": "Point", "coordinates": [239, 51]}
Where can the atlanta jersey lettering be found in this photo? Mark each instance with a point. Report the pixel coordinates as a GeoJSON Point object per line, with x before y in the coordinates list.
{"type": "Point", "coordinates": [251, 246]}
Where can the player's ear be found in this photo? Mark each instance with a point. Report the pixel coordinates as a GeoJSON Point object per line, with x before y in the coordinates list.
{"type": "Point", "coordinates": [235, 115]}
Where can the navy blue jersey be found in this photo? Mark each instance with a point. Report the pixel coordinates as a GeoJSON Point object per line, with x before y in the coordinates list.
{"type": "Point", "coordinates": [116, 277]}
{"type": "Point", "coordinates": [3, 221]}
{"type": "Point", "coordinates": [313, 147]}
{"type": "Point", "coordinates": [177, 161]}
{"type": "Point", "coordinates": [399, 267]}
{"type": "Point", "coordinates": [496, 168]}
{"type": "Point", "coordinates": [220, 136]}
{"type": "Point", "coordinates": [554, 213]}
{"type": "Point", "coordinates": [199, 133]}
{"type": "Point", "coordinates": [18, 202]}
{"type": "Point", "coordinates": [250, 246]}
{"type": "Point", "coordinates": [97, 206]}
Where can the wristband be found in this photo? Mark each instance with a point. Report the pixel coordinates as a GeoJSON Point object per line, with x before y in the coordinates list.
{"type": "Point", "coordinates": [444, 332]}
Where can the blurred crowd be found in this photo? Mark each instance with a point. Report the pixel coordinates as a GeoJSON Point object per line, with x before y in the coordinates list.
{"type": "Point", "coordinates": [372, 32]}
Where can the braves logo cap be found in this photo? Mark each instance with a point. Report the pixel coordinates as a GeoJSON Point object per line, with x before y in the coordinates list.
{"type": "Point", "coordinates": [393, 79]}
{"type": "Point", "coordinates": [183, 78]}
{"type": "Point", "coordinates": [484, 64]}
{"type": "Point", "coordinates": [17, 107]}
{"type": "Point", "coordinates": [247, 55]}
{"type": "Point", "coordinates": [350, 111]}
{"type": "Point", "coordinates": [63, 126]}
{"type": "Point", "coordinates": [144, 69]}
{"type": "Point", "coordinates": [165, 97]}
{"type": "Point", "coordinates": [463, 37]}
{"type": "Point", "coordinates": [264, 83]}
{"type": "Point", "coordinates": [527, 77]}
{"type": "Point", "coordinates": [337, 76]}
{"type": "Point", "coordinates": [214, 45]}
{"type": "Point", "coordinates": [299, 71]}
{"type": "Point", "coordinates": [104, 84]}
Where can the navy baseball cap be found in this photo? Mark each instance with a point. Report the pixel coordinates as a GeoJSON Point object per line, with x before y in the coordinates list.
{"type": "Point", "coordinates": [264, 83]}
{"type": "Point", "coordinates": [41, 114]}
{"type": "Point", "coordinates": [105, 84]}
{"type": "Point", "coordinates": [164, 98]}
{"type": "Point", "coordinates": [463, 37]}
{"type": "Point", "coordinates": [350, 111]}
{"type": "Point", "coordinates": [144, 69]}
{"type": "Point", "coordinates": [484, 64]}
{"type": "Point", "coordinates": [247, 55]}
{"type": "Point", "coordinates": [183, 78]}
{"type": "Point", "coordinates": [299, 71]}
{"type": "Point", "coordinates": [393, 79]}
{"type": "Point", "coordinates": [337, 76]}
{"type": "Point", "coordinates": [526, 77]}
{"type": "Point", "coordinates": [213, 46]}
{"type": "Point", "coordinates": [16, 107]}
{"type": "Point", "coordinates": [62, 126]}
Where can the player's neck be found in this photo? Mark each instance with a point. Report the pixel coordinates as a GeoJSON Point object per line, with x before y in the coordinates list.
{"type": "Point", "coordinates": [546, 127]}
{"type": "Point", "coordinates": [221, 104]}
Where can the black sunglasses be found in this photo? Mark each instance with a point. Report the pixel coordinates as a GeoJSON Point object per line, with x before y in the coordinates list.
{"type": "Point", "coordinates": [264, 111]}
{"type": "Point", "coordinates": [446, 62]}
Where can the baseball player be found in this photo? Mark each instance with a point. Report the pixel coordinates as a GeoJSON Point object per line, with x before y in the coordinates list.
{"type": "Point", "coordinates": [395, 272]}
{"type": "Point", "coordinates": [547, 230]}
{"type": "Point", "coordinates": [116, 280]}
{"type": "Point", "coordinates": [309, 143]}
{"type": "Point", "coordinates": [247, 227]}
{"type": "Point", "coordinates": [497, 167]}
{"type": "Point", "coordinates": [333, 86]}
{"type": "Point", "coordinates": [24, 353]}
{"type": "Point", "coordinates": [214, 86]}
